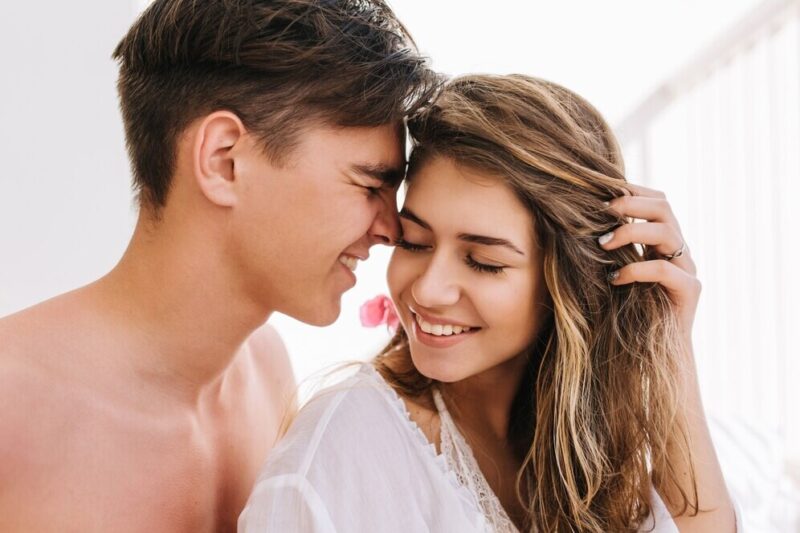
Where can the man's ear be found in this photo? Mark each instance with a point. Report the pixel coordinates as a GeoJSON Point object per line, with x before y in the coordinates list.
{"type": "Point", "coordinates": [214, 167]}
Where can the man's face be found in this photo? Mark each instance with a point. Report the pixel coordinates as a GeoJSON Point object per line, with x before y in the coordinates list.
{"type": "Point", "coordinates": [299, 229]}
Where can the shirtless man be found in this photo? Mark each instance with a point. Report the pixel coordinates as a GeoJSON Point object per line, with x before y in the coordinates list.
{"type": "Point", "coordinates": [266, 140]}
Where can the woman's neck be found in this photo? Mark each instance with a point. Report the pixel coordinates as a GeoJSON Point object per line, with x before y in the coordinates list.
{"type": "Point", "coordinates": [483, 403]}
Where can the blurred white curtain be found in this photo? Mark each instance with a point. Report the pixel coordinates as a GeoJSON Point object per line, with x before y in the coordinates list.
{"type": "Point", "coordinates": [722, 139]}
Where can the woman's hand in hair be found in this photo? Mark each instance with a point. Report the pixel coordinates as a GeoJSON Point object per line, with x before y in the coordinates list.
{"type": "Point", "coordinates": [659, 230]}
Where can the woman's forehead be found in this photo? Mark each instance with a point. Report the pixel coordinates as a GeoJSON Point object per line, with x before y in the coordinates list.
{"type": "Point", "coordinates": [453, 197]}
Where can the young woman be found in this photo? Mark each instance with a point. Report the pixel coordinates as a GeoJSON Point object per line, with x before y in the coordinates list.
{"type": "Point", "coordinates": [542, 378]}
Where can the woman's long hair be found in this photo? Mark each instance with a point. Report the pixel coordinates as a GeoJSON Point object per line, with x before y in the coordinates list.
{"type": "Point", "coordinates": [598, 408]}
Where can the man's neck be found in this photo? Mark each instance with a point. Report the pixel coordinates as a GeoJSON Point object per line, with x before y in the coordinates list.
{"type": "Point", "coordinates": [186, 314]}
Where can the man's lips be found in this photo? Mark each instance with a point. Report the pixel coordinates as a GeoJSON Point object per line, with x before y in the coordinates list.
{"type": "Point", "coordinates": [350, 260]}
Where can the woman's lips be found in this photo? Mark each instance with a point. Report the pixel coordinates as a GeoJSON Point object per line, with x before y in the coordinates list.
{"type": "Point", "coordinates": [438, 321]}
{"type": "Point", "coordinates": [442, 340]}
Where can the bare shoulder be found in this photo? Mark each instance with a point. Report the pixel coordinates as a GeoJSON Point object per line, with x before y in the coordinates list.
{"type": "Point", "coordinates": [16, 376]}
{"type": "Point", "coordinates": [23, 341]}
{"type": "Point", "coordinates": [36, 346]}
{"type": "Point", "coordinates": [24, 406]}
{"type": "Point", "coordinates": [41, 328]}
{"type": "Point", "coordinates": [18, 334]}
{"type": "Point", "coordinates": [20, 441]}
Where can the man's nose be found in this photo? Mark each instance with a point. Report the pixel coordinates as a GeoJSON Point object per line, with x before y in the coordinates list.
{"type": "Point", "coordinates": [386, 227]}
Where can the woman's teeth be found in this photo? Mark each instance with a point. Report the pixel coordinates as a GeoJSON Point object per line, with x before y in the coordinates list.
{"type": "Point", "coordinates": [349, 262]}
{"type": "Point", "coordinates": [440, 330]}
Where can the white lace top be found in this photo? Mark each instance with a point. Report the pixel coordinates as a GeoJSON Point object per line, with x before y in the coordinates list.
{"type": "Point", "coordinates": [353, 461]}
{"type": "Point", "coordinates": [462, 462]}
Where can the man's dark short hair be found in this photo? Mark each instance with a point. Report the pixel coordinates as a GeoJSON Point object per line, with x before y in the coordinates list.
{"type": "Point", "coordinates": [279, 65]}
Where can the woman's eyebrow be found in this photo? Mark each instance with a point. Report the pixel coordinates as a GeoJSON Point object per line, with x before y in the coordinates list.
{"type": "Point", "coordinates": [466, 237]}
{"type": "Point", "coordinates": [489, 241]}
{"type": "Point", "coordinates": [408, 214]}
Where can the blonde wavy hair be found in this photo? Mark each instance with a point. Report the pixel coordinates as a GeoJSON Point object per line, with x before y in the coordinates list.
{"type": "Point", "coordinates": [597, 411]}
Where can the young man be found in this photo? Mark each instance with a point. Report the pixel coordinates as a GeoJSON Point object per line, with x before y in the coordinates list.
{"type": "Point", "coordinates": [266, 139]}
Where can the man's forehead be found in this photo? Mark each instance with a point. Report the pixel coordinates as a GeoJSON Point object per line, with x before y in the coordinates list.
{"type": "Point", "coordinates": [373, 152]}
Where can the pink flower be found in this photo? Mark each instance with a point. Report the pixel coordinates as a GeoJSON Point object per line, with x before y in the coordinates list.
{"type": "Point", "coordinates": [377, 311]}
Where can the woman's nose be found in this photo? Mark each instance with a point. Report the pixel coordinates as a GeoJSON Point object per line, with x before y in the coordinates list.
{"type": "Point", "coordinates": [437, 285]}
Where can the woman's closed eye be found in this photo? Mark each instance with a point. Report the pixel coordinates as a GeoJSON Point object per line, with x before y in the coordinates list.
{"type": "Point", "coordinates": [469, 260]}
{"type": "Point", "coordinates": [410, 246]}
{"type": "Point", "coordinates": [483, 267]}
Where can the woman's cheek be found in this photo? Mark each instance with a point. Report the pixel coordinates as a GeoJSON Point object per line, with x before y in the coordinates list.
{"type": "Point", "coordinates": [400, 273]}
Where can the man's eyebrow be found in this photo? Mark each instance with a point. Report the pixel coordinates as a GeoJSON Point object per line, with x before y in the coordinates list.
{"type": "Point", "coordinates": [389, 175]}
{"type": "Point", "coordinates": [466, 237]}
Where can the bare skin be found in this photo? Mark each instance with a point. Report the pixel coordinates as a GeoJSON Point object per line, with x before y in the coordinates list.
{"type": "Point", "coordinates": [148, 400]}
{"type": "Point", "coordinates": [92, 446]}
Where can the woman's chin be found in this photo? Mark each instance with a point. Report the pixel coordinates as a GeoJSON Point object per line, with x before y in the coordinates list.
{"type": "Point", "coordinates": [438, 369]}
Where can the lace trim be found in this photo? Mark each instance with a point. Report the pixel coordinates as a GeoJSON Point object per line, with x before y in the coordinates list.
{"type": "Point", "coordinates": [463, 492]}
{"type": "Point", "coordinates": [462, 462]}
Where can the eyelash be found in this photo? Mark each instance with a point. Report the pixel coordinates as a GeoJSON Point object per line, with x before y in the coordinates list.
{"type": "Point", "coordinates": [474, 265]}
{"type": "Point", "coordinates": [373, 191]}
{"type": "Point", "coordinates": [410, 246]}
{"type": "Point", "coordinates": [480, 267]}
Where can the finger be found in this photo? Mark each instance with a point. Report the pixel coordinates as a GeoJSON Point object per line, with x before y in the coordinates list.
{"type": "Point", "coordinates": [639, 190]}
{"type": "Point", "coordinates": [644, 208]}
{"type": "Point", "coordinates": [664, 238]}
{"type": "Point", "coordinates": [682, 285]}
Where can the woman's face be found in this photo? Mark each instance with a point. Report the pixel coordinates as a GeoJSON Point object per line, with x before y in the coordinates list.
{"type": "Point", "coordinates": [467, 276]}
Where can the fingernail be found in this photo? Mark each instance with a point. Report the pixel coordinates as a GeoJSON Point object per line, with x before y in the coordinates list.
{"type": "Point", "coordinates": [613, 276]}
{"type": "Point", "coordinates": [606, 238]}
